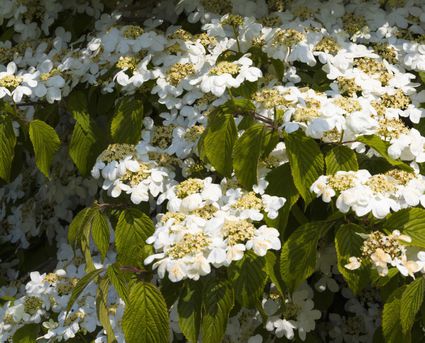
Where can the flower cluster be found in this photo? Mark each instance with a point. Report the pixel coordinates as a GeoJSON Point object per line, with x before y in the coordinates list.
{"type": "Point", "coordinates": [378, 194]}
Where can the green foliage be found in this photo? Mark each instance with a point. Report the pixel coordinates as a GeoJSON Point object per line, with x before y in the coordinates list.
{"type": "Point", "coordinates": [298, 256]}
{"type": "Point", "coordinates": [132, 230]}
{"type": "Point", "coordinates": [410, 221]}
{"type": "Point", "coordinates": [102, 308]}
{"type": "Point", "coordinates": [218, 300]}
{"type": "Point", "coordinates": [341, 158]}
{"type": "Point", "coordinates": [306, 160]}
{"type": "Point", "coordinates": [218, 141]}
{"type": "Point", "coordinates": [391, 324]}
{"type": "Point", "coordinates": [146, 316]}
{"type": "Point", "coordinates": [7, 146]}
{"type": "Point", "coordinates": [248, 278]}
{"type": "Point", "coordinates": [87, 141]}
{"type": "Point", "coordinates": [81, 286]}
{"type": "Point", "coordinates": [46, 143]}
{"type": "Point", "coordinates": [411, 302]}
{"type": "Point", "coordinates": [348, 243]}
{"type": "Point", "coordinates": [381, 148]}
{"type": "Point", "coordinates": [27, 334]}
{"type": "Point", "coordinates": [246, 154]}
{"type": "Point", "coordinates": [100, 232]}
{"type": "Point", "coordinates": [119, 281]}
{"type": "Point", "coordinates": [190, 310]}
{"type": "Point", "coordinates": [126, 126]}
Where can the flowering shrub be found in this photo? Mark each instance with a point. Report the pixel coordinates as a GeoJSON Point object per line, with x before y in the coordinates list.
{"type": "Point", "coordinates": [212, 171]}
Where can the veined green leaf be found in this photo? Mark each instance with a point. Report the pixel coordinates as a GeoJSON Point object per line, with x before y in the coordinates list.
{"type": "Point", "coordinates": [27, 334]}
{"type": "Point", "coordinates": [298, 256]}
{"type": "Point", "coordinates": [411, 302]}
{"type": "Point", "coordinates": [391, 325]}
{"type": "Point", "coordinates": [100, 232]}
{"type": "Point", "coordinates": [46, 143]}
{"type": "Point", "coordinates": [102, 308]}
{"type": "Point", "coordinates": [381, 147]}
{"type": "Point", "coordinates": [7, 147]}
{"type": "Point", "coordinates": [348, 243]}
{"type": "Point", "coordinates": [189, 309]}
{"type": "Point", "coordinates": [218, 300]}
{"type": "Point", "coordinates": [218, 141]}
{"type": "Point", "coordinates": [146, 316]}
{"type": "Point", "coordinates": [246, 154]}
{"type": "Point", "coordinates": [248, 277]}
{"type": "Point", "coordinates": [341, 158]}
{"type": "Point", "coordinates": [132, 230]}
{"type": "Point", "coordinates": [306, 160]}
{"type": "Point", "coordinates": [127, 123]}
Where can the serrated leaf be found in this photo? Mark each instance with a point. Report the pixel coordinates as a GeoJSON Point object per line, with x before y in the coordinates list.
{"type": "Point", "coordinates": [248, 278]}
{"type": "Point", "coordinates": [246, 154]}
{"type": "Point", "coordinates": [381, 147]}
{"type": "Point", "coordinates": [127, 122]}
{"type": "Point", "coordinates": [410, 221]}
{"type": "Point", "coordinates": [218, 300]}
{"type": "Point", "coordinates": [281, 184]}
{"type": "Point", "coordinates": [341, 158]}
{"type": "Point", "coordinates": [46, 143]}
{"type": "Point", "coordinates": [306, 160]}
{"type": "Point", "coordinates": [27, 334]}
{"type": "Point", "coordinates": [132, 230]}
{"type": "Point", "coordinates": [189, 308]}
{"type": "Point", "coordinates": [77, 225]}
{"type": "Point", "coordinates": [411, 302]}
{"type": "Point", "coordinates": [102, 308]}
{"type": "Point", "coordinates": [271, 138]}
{"type": "Point", "coordinates": [7, 147]}
{"type": "Point", "coordinates": [100, 232]}
{"type": "Point", "coordinates": [272, 269]}
{"type": "Point", "coordinates": [85, 144]}
{"type": "Point", "coordinates": [119, 281]}
{"type": "Point", "coordinates": [145, 317]}
{"type": "Point", "coordinates": [391, 326]}
{"type": "Point", "coordinates": [298, 256]}
{"type": "Point", "coordinates": [348, 243]}
{"type": "Point", "coordinates": [81, 286]}
{"type": "Point", "coordinates": [218, 142]}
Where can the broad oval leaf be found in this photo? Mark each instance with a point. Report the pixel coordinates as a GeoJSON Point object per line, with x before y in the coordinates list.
{"type": "Point", "coordinates": [246, 154]}
{"type": "Point", "coordinates": [306, 160]}
{"type": "Point", "coordinates": [411, 302]}
{"type": "Point", "coordinates": [127, 123]}
{"type": "Point", "coordinates": [7, 147]}
{"type": "Point", "coordinates": [100, 232]}
{"type": "Point", "coordinates": [391, 326]}
{"type": "Point", "coordinates": [46, 143]}
{"type": "Point", "coordinates": [189, 308]}
{"type": "Point", "coordinates": [298, 256]}
{"type": "Point", "coordinates": [145, 317]}
{"type": "Point", "coordinates": [341, 158]}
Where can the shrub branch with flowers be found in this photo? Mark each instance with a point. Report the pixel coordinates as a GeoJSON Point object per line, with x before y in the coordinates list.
{"type": "Point", "coordinates": [212, 171]}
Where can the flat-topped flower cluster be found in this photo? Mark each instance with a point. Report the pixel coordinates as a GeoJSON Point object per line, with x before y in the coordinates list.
{"type": "Point", "coordinates": [338, 73]}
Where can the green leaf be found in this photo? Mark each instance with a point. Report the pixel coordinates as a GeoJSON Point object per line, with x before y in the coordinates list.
{"type": "Point", "coordinates": [279, 67]}
{"type": "Point", "coordinates": [281, 184]}
{"type": "Point", "coordinates": [348, 243]}
{"type": "Point", "coordinates": [341, 158]}
{"type": "Point", "coordinates": [27, 334]}
{"type": "Point", "coordinates": [306, 160]}
{"type": "Point", "coordinates": [145, 317]}
{"type": "Point", "coordinates": [410, 221]}
{"type": "Point", "coordinates": [7, 147]}
{"type": "Point", "coordinates": [219, 138]}
{"type": "Point", "coordinates": [119, 281]}
{"type": "Point", "coordinates": [246, 154]}
{"type": "Point", "coordinates": [218, 300]}
{"type": "Point", "coordinates": [248, 277]}
{"type": "Point", "coordinates": [272, 270]}
{"type": "Point", "coordinates": [81, 285]}
{"type": "Point", "coordinates": [80, 221]}
{"type": "Point", "coordinates": [87, 140]}
{"type": "Point", "coordinates": [100, 232]}
{"type": "Point", "coordinates": [271, 138]}
{"type": "Point", "coordinates": [411, 302]}
{"type": "Point", "coordinates": [391, 325]}
{"type": "Point", "coordinates": [381, 148]}
{"type": "Point", "coordinates": [46, 143]}
{"type": "Point", "coordinates": [189, 309]}
{"type": "Point", "coordinates": [102, 309]}
{"type": "Point", "coordinates": [132, 230]}
{"type": "Point", "coordinates": [127, 123]}
{"type": "Point", "coordinates": [298, 256]}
